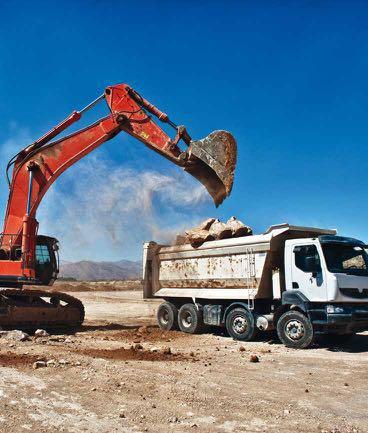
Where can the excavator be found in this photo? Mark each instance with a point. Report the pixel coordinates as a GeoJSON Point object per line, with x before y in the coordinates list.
{"type": "Point", "coordinates": [30, 259]}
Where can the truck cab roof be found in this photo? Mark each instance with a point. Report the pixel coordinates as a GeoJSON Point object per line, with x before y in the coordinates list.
{"type": "Point", "coordinates": [340, 240]}
{"type": "Point", "coordinates": [313, 231]}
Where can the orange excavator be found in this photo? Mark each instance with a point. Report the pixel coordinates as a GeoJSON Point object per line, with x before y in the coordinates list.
{"type": "Point", "coordinates": [27, 258]}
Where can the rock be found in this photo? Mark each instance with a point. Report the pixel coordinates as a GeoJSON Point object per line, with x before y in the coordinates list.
{"type": "Point", "coordinates": [121, 415]}
{"type": "Point", "coordinates": [57, 338]}
{"type": "Point", "coordinates": [51, 363]}
{"type": "Point", "coordinates": [173, 419]}
{"type": "Point", "coordinates": [286, 411]}
{"type": "Point", "coordinates": [68, 340]}
{"type": "Point", "coordinates": [212, 229]}
{"type": "Point", "coordinates": [193, 425]}
{"type": "Point", "coordinates": [253, 358]}
{"type": "Point", "coordinates": [41, 333]}
{"type": "Point", "coordinates": [197, 237]}
{"type": "Point", "coordinates": [306, 390]}
{"type": "Point", "coordinates": [166, 350]}
{"type": "Point", "coordinates": [14, 335]}
{"type": "Point", "coordinates": [219, 230]}
{"type": "Point", "coordinates": [39, 364]}
{"type": "Point", "coordinates": [238, 228]}
{"type": "Point", "coordinates": [241, 349]}
{"type": "Point", "coordinates": [138, 346]}
{"type": "Point", "coordinates": [17, 335]}
{"type": "Point", "coordinates": [154, 349]}
{"type": "Point", "coordinates": [206, 224]}
{"type": "Point", "coordinates": [63, 362]}
{"type": "Point", "coordinates": [143, 329]}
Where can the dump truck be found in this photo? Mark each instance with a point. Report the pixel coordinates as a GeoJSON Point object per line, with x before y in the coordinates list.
{"type": "Point", "coordinates": [300, 281]}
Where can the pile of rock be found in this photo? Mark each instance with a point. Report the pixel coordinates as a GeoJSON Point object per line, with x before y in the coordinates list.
{"type": "Point", "coordinates": [213, 229]}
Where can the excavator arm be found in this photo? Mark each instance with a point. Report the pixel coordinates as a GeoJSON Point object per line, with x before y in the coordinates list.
{"type": "Point", "coordinates": [211, 160]}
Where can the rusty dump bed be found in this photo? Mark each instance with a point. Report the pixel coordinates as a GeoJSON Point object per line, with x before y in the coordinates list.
{"type": "Point", "coordinates": [32, 309]}
{"type": "Point", "coordinates": [235, 268]}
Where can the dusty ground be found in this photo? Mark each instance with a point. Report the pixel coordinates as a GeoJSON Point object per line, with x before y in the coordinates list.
{"type": "Point", "coordinates": [96, 381]}
{"type": "Point", "coordinates": [96, 286]}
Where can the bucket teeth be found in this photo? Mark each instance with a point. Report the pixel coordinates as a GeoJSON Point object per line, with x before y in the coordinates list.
{"type": "Point", "coordinates": [212, 161]}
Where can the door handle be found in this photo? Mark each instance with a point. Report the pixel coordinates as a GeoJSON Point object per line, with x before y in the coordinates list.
{"type": "Point", "coordinates": [295, 285]}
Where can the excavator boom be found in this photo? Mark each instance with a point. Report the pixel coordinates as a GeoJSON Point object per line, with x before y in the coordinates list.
{"type": "Point", "coordinates": [211, 160]}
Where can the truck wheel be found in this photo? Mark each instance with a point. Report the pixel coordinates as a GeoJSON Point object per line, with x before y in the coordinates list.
{"type": "Point", "coordinates": [240, 324]}
{"type": "Point", "coordinates": [295, 330]}
{"type": "Point", "coordinates": [190, 319]}
{"type": "Point", "coordinates": [167, 316]}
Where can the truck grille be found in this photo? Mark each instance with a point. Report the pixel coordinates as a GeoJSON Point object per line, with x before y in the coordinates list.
{"type": "Point", "coordinates": [354, 293]}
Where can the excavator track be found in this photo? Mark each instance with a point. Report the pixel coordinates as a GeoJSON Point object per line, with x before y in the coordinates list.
{"type": "Point", "coordinates": [32, 309]}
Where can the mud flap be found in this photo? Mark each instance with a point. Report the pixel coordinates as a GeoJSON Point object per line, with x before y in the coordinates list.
{"type": "Point", "coordinates": [212, 161]}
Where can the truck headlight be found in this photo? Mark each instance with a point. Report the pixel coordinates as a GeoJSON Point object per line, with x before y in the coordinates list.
{"type": "Point", "coordinates": [333, 309]}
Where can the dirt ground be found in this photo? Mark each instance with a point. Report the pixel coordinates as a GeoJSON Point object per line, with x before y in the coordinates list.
{"type": "Point", "coordinates": [121, 374]}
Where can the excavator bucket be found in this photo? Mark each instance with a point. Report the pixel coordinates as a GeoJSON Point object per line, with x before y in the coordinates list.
{"type": "Point", "coordinates": [212, 161]}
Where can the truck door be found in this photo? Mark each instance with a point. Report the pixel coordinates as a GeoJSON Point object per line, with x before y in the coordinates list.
{"type": "Point", "coordinates": [307, 274]}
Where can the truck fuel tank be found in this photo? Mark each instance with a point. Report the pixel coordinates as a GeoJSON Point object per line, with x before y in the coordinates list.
{"type": "Point", "coordinates": [265, 322]}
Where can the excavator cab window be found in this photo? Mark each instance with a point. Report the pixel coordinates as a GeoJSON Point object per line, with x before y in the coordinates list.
{"type": "Point", "coordinates": [46, 260]}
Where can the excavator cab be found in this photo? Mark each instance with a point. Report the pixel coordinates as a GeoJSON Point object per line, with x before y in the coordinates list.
{"type": "Point", "coordinates": [47, 260]}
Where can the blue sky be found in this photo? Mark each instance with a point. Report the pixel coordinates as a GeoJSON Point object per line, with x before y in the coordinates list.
{"type": "Point", "coordinates": [288, 79]}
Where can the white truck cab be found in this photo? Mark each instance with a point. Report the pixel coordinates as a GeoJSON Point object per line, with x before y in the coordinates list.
{"type": "Point", "coordinates": [301, 281]}
{"type": "Point", "coordinates": [327, 268]}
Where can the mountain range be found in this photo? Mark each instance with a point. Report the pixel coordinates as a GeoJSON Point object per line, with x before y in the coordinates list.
{"type": "Point", "coordinates": [87, 270]}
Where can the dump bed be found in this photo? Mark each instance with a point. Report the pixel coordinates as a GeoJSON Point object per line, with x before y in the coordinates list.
{"type": "Point", "coordinates": [235, 268]}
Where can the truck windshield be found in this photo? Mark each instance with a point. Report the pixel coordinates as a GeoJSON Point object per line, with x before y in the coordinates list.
{"type": "Point", "coordinates": [345, 258]}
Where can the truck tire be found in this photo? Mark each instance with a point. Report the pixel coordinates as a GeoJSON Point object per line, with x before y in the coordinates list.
{"type": "Point", "coordinates": [240, 324]}
{"type": "Point", "coordinates": [167, 316]}
{"type": "Point", "coordinates": [295, 330]}
{"type": "Point", "coordinates": [190, 319]}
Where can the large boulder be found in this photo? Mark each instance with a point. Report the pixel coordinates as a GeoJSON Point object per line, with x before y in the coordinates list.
{"type": "Point", "coordinates": [212, 229]}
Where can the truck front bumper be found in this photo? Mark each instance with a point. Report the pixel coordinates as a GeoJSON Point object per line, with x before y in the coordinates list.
{"type": "Point", "coordinates": [350, 318]}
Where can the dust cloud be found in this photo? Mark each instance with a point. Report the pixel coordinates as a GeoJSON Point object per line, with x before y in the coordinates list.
{"type": "Point", "coordinates": [105, 212]}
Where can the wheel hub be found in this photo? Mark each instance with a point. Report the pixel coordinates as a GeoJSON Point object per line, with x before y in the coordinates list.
{"type": "Point", "coordinates": [240, 325]}
{"type": "Point", "coordinates": [294, 329]}
{"type": "Point", "coordinates": [187, 320]}
{"type": "Point", "coordinates": [165, 317]}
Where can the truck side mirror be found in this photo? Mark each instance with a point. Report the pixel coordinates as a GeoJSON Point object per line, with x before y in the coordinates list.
{"type": "Point", "coordinates": [312, 265]}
